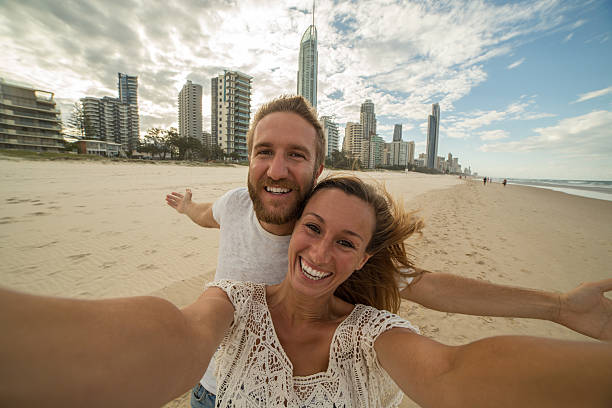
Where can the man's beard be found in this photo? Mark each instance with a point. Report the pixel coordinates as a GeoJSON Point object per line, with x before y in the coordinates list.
{"type": "Point", "coordinates": [278, 215]}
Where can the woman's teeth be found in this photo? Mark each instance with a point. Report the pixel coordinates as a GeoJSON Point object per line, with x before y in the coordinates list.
{"type": "Point", "coordinates": [312, 273]}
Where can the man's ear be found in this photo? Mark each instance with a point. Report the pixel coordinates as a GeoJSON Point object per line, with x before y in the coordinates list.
{"type": "Point", "coordinates": [319, 171]}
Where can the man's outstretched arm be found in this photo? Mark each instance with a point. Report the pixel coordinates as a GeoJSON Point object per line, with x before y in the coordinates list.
{"type": "Point", "coordinates": [200, 213]}
{"type": "Point", "coordinates": [584, 309]}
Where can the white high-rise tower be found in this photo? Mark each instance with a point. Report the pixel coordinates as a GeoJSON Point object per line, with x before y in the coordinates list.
{"type": "Point", "coordinates": [308, 64]}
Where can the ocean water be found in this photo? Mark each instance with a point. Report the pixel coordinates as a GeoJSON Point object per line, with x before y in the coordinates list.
{"type": "Point", "coordinates": [600, 189]}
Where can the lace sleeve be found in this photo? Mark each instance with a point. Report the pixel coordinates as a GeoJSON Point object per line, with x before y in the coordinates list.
{"type": "Point", "coordinates": [383, 389]}
{"type": "Point", "coordinates": [238, 292]}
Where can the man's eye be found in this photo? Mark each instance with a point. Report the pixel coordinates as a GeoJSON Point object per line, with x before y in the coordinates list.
{"type": "Point", "coordinates": [346, 243]}
{"type": "Point", "coordinates": [297, 155]}
{"type": "Point", "coordinates": [313, 227]}
{"type": "Point", "coordinates": [264, 152]}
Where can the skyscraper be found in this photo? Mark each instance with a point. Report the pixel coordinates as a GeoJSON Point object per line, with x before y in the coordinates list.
{"type": "Point", "coordinates": [330, 130]}
{"type": "Point", "coordinates": [107, 120]}
{"type": "Point", "coordinates": [128, 94]}
{"type": "Point", "coordinates": [367, 118]}
{"type": "Point", "coordinates": [190, 111]}
{"type": "Point", "coordinates": [397, 133]}
{"type": "Point", "coordinates": [308, 64]}
{"type": "Point", "coordinates": [231, 111]}
{"type": "Point", "coordinates": [433, 128]}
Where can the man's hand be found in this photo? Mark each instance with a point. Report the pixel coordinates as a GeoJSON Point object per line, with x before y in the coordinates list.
{"type": "Point", "coordinates": [178, 201]}
{"type": "Point", "coordinates": [200, 213]}
{"type": "Point", "coordinates": [587, 310]}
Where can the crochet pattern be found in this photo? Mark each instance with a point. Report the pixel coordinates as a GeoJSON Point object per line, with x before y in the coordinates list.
{"type": "Point", "coordinates": [254, 371]}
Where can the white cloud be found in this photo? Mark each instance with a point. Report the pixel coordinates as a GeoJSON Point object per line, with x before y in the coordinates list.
{"type": "Point", "coordinates": [516, 63]}
{"type": "Point", "coordinates": [493, 134]}
{"type": "Point", "coordinates": [583, 135]}
{"type": "Point", "coordinates": [402, 55]}
{"type": "Point", "coordinates": [568, 37]}
{"type": "Point", "coordinates": [594, 94]}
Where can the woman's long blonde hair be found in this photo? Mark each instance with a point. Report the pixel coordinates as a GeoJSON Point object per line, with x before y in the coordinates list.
{"type": "Point", "coordinates": [377, 283]}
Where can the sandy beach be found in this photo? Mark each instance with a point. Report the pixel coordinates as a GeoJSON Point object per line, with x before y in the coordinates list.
{"type": "Point", "coordinates": [92, 230]}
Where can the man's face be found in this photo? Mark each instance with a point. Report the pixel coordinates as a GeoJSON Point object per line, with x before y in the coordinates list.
{"type": "Point", "coordinates": [281, 167]}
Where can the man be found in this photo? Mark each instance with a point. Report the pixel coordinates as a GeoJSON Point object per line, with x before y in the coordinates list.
{"type": "Point", "coordinates": [286, 152]}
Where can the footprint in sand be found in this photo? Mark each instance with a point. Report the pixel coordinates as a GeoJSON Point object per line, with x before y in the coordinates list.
{"type": "Point", "coordinates": [38, 213]}
{"type": "Point", "coordinates": [78, 256]}
{"type": "Point", "coordinates": [122, 247]}
{"type": "Point", "coordinates": [7, 220]}
{"type": "Point", "coordinates": [142, 267]}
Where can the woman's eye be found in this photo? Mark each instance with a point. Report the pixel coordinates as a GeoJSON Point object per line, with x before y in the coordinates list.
{"type": "Point", "coordinates": [313, 227]}
{"type": "Point", "coordinates": [346, 243]}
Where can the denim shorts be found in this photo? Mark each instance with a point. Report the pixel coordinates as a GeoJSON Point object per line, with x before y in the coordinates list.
{"type": "Point", "coordinates": [201, 398]}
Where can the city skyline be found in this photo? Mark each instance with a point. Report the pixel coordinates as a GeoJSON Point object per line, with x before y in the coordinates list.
{"type": "Point", "coordinates": [524, 88]}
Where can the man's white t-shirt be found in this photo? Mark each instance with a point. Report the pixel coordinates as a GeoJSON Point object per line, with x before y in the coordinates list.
{"type": "Point", "coordinates": [247, 252]}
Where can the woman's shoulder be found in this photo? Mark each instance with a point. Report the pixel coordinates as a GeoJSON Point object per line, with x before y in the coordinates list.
{"type": "Point", "coordinates": [372, 322]}
{"type": "Point", "coordinates": [239, 292]}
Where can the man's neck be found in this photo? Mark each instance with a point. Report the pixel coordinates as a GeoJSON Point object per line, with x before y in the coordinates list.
{"type": "Point", "coordinates": [278, 229]}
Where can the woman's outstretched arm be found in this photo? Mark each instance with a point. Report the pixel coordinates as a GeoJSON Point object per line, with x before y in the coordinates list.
{"type": "Point", "coordinates": [140, 351]}
{"type": "Point", "coordinates": [498, 371]}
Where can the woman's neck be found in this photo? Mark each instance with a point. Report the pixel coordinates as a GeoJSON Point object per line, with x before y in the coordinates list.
{"type": "Point", "coordinates": [298, 308]}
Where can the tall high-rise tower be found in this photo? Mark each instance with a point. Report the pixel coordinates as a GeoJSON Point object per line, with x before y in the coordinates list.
{"type": "Point", "coordinates": [367, 118]}
{"type": "Point", "coordinates": [190, 111]}
{"type": "Point", "coordinates": [308, 64]}
{"type": "Point", "coordinates": [231, 111]}
{"type": "Point", "coordinates": [397, 133]}
{"type": "Point", "coordinates": [433, 129]}
{"type": "Point", "coordinates": [128, 94]}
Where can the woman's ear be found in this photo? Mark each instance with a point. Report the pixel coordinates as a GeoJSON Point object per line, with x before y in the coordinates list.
{"type": "Point", "coordinates": [366, 256]}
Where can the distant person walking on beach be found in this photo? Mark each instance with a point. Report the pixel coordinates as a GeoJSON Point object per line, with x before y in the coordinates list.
{"type": "Point", "coordinates": [484, 181]}
{"type": "Point", "coordinates": [286, 151]}
{"type": "Point", "coordinates": [504, 182]}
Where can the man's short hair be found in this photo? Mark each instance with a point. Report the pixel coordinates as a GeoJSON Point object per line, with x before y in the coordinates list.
{"type": "Point", "coordinates": [299, 106]}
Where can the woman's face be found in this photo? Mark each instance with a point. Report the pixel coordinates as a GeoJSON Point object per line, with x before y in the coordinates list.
{"type": "Point", "coordinates": [329, 241]}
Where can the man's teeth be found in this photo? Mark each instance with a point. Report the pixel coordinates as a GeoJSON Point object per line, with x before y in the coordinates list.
{"type": "Point", "coordinates": [277, 190]}
{"type": "Point", "coordinates": [313, 273]}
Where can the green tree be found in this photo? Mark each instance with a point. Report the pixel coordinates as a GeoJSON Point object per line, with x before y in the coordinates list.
{"type": "Point", "coordinates": [76, 122]}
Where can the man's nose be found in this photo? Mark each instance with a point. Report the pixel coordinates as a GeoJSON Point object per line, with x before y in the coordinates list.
{"type": "Point", "coordinates": [278, 168]}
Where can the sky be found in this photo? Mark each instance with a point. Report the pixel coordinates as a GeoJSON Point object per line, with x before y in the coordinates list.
{"type": "Point", "coordinates": [524, 87]}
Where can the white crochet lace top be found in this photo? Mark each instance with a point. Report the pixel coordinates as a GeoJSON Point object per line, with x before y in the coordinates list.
{"type": "Point", "coordinates": [254, 371]}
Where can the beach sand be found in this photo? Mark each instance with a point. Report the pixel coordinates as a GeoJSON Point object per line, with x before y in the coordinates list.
{"type": "Point", "coordinates": [92, 230]}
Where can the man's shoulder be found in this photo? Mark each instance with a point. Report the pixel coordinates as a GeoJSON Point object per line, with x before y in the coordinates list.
{"type": "Point", "coordinates": [237, 197]}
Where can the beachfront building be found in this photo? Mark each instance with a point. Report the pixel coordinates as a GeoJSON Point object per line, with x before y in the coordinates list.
{"type": "Point", "coordinates": [115, 120]}
{"type": "Point", "coordinates": [367, 119]}
{"type": "Point", "coordinates": [308, 64]}
{"type": "Point", "coordinates": [397, 133]}
{"type": "Point", "coordinates": [353, 139]}
{"type": "Point", "coordinates": [231, 111]}
{"type": "Point", "coordinates": [378, 147]}
{"type": "Point", "coordinates": [107, 120]}
{"type": "Point", "coordinates": [98, 148]}
{"type": "Point", "coordinates": [330, 130]}
{"type": "Point", "coordinates": [433, 132]}
{"type": "Point", "coordinates": [190, 111]}
{"type": "Point", "coordinates": [29, 118]}
{"type": "Point", "coordinates": [128, 95]}
{"type": "Point", "coordinates": [400, 153]}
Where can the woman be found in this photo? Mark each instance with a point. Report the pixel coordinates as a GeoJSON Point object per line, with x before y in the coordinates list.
{"type": "Point", "coordinates": [309, 341]}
